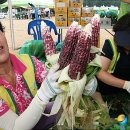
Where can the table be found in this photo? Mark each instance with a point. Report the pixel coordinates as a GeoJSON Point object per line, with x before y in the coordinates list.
{"type": "Point", "coordinates": [60, 29]}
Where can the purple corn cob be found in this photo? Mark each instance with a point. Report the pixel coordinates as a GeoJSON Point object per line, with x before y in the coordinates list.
{"type": "Point", "coordinates": [95, 33]}
{"type": "Point", "coordinates": [81, 56]}
{"type": "Point", "coordinates": [48, 41]}
{"type": "Point", "coordinates": [95, 30]}
{"type": "Point", "coordinates": [68, 48]}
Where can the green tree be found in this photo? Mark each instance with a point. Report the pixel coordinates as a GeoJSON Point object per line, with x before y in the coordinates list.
{"type": "Point", "coordinates": [101, 2]}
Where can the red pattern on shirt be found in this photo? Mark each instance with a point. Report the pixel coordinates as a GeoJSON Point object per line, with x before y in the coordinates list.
{"type": "Point", "coordinates": [21, 95]}
{"type": "Point", "coordinates": [3, 107]}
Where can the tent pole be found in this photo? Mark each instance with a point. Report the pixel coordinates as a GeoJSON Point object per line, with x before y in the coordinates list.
{"type": "Point", "coordinates": [11, 24]}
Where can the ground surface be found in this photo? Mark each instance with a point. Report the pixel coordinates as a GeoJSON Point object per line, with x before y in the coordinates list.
{"type": "Point", "coordinates": [21, 35]}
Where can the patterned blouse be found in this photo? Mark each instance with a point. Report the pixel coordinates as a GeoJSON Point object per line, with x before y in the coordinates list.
{"type": "Point", "coordinates": [20, 93]}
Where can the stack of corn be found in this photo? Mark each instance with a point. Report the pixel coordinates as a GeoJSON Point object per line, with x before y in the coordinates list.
{"type": "Point", "coordinates": [75, 56]}
{"type": "Point", "coordinates": [73, 60]}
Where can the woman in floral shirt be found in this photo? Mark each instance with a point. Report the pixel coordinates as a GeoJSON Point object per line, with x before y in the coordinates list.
{"type": "Point", "coordinates": [18, 84]}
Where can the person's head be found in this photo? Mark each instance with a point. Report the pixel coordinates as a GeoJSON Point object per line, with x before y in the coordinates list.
{"type": "Point", "coordinates": [4, 50]}
{"type": "Point", "coordinates": [122, 31]}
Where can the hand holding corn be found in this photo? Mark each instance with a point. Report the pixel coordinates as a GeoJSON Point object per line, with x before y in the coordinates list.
{"type": "Point", "coordinates": [49, 87]}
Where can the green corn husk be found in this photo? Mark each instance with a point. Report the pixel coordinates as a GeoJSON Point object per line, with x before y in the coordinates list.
{"type": "Point", "coordinates": [34, 48]}
{"type": "Point", "coordinates": [117, 127]}
{"type": "Point", "coordinates": [93, 110]}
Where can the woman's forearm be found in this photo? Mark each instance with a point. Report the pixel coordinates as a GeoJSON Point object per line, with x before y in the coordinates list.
{"type": "Point", "coordinates": [27, 120]}
{"type": "Point", "coordinates": [109, 79]}
{"type": "Point", "coordinates": [31, 115]}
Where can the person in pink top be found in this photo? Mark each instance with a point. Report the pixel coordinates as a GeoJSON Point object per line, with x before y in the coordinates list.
{"type": "Point", "coordinates": [25, 90]}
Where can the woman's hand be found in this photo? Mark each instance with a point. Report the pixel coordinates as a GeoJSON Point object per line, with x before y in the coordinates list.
{"type": "Point", "coordinates": [50, 87]}
{"type": "Point", "coordinates": [91, 87]}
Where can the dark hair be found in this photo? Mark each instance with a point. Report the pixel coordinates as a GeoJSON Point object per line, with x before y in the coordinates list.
{"type": "Point", "coordinates": [2, 29]}
{"type": "Point", "coordinates": [122, 23]}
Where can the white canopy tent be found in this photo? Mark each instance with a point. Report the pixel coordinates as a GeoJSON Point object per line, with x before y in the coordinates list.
{"type": "Point", "coordinates": [24, 3]}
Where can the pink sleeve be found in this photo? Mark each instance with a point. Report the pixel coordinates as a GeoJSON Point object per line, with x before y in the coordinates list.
{"type": "Point", "coordinates": [3, 107]}
{"type": "Point", "coordinates": [40, 72]}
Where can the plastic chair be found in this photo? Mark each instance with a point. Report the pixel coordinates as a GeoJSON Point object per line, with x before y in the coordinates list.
{"type": "Point", "coordinates": [34, 28]}
{"type": "Point", "coordinates": [35, 9]}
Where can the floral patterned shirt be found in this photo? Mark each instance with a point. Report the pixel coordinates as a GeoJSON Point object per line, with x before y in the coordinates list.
{"type": "Point", "coordinates": [20, 93]}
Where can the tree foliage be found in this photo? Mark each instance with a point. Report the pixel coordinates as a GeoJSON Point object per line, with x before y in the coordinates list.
{"type": "Point", "coordinates": [101, 2]}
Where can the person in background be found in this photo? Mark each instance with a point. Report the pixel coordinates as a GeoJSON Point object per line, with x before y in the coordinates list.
{"type": "Point", "coordinates": [47, 12]}
{"type": "Point", "coordinates": [114, 76]}
{"type": "Point", "coordinates": [124, 8]}
{"type": "Point", "coordinates": [39, 13]}
{"type": "Point", "coordinates": [25, 90]}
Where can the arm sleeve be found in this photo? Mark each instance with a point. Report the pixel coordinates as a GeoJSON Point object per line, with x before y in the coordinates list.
{"type": "Point", "coordinates": [27, 120]}
{"type": "Point", "coordinates": [107, 50]}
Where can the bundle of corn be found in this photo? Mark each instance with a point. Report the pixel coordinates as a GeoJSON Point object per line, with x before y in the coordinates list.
{"type": "Point", "coordinates": [95, 22]}
{"type": "Point", "coordinates": [69, 45]}
{"type": "Point", "coordinates": [73, 78]}
{"type": "Point", "coordinates": [81, 56]}
{"type": "Point", "coordinates": [48, 41]}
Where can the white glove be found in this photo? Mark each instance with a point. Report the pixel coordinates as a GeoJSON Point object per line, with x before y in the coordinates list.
{"type": "Point", "coordinates": [127, 86]}
{"type": "Point", "coordinates": [49, 87]}
{"type": "Point", "coordinates": [91, 87]}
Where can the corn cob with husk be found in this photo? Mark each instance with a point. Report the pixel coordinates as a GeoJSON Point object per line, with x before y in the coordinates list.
{"type": "Point", "coordinates": [81, 56]}
{"type": "Point", "coordinates": [49, 46]}
{"type": "Point", "coordinates": [48, 41]}
{"type": "Point", "coordinates": [78, 64]}
{"type": "Point", "coordinates": [95, 22]}
{"type": "Point", "coordinates": [69, 45]}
